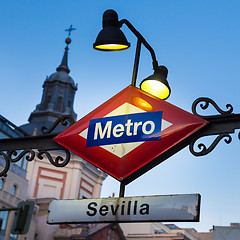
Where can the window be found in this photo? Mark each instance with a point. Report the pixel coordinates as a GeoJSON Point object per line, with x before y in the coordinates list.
{"type": "Point", "coordinates": [172, 226]}
{"type": "Point", "coordinates": [159, 231]}
{"type": "Point", "coordinates": [14, 188]}
{"type": "Point", "coordinates": [1, 183]}
{"type": "Point", "coordinates": [3, 219]}
{"type": "Point", "coordinates": [110, 235]}
{"type": "Point", "coordinates": [48, 99]}
{"type": "Point", "coordinates": [13, 236]}
{"type": "Point", "coordinates": [59, 104]}
{"type": "Point", "coordinates": [23, 162]}
{"type": "Point", "coordinates": [86, 189]}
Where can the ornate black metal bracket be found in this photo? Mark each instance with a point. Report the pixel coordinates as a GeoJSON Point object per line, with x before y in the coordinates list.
{"type": "Point", "coordinates": [221, 125]}
{"type": "Point", "coordinates": [32, 147]}
{"type": "Point", "coordinates": [15, 149]}
{"type": "Point", "coordinates": [64, 120]}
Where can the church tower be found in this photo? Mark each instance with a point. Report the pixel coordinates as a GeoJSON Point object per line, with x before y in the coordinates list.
{"type": "Point", "coordinates": [79, 179]}
{"type": "Point", "coordinates": [57, 98]}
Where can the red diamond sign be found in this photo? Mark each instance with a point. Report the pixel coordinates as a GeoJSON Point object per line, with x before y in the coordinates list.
{"type": "Point", "coordinates": [128, 131]}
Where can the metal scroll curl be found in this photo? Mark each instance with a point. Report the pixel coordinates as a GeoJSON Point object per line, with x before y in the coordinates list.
{"type": "Point", "coordinates": [14, 156]}
{"type": "Point", "coordinates": [29, 155]}
{"type": "Point", "coordinates": [58, 161]}
{"type": "Point", "coordinates": [64, 120]}
{"type": "Point", "coordinates": [204, 103]}
{"type": "Point", "coordinates": [205, 150]}
{"type": "Point", "coordinates": [3, 172]}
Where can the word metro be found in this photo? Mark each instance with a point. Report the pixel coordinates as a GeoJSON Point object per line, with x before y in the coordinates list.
{"type": "Point", "coordinates": [136, 127]}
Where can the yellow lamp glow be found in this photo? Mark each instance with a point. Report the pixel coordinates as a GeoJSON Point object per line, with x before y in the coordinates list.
{"type": "Point", "coordinates": [156, 88]}
{"type": "Point", "coordinates": [141, 103]}
{"type": "Point", "coordinates": [157, 84]}
{"type": "Point", "coordinates": [111, 47]}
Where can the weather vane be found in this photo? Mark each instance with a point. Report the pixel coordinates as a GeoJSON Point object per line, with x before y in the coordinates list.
{"type": "Point", "coordinates": [69, 30]}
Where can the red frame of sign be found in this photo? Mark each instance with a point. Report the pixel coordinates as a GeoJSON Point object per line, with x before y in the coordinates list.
{"type": "Point", "coordinates": [183, 125]}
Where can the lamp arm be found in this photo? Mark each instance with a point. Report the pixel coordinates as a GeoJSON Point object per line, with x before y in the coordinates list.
{"type": "Point", "coordinates": [142, 39]}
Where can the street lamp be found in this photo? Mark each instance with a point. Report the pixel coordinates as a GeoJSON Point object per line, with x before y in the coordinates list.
{"type": "Point", "coordinates": [111, 39]}
{"type": "Point", "coordinates": [221, 125]}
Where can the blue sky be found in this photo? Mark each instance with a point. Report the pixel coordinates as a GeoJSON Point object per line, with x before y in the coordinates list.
{"type": "Point", "coordinates": [198, 41]}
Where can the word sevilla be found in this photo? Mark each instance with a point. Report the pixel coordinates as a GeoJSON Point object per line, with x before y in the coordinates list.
{"type": "Point", "coordinates": [136, 127]}
{"type": "Point", "coordinates": [128, 209]}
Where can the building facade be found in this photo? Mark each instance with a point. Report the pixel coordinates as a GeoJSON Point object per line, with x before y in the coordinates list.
{"type": "Point", "coordinates": [160, 231]}
{"type": "Point", "coordinates": [39, 180]}
{"type": "Point", "coordinates": [231, 232]}
{"type": "Point", "coordinates": [79, 179]}
{"type": "Point", "coordinates": [13, 188]}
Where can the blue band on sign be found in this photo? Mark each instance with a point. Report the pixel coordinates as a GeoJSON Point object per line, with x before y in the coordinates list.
{"type": "Point", "coordinates": [136, 127]}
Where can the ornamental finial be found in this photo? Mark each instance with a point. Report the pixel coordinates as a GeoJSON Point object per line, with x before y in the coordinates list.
{"type": "Point", "coordinates": [69, 30]}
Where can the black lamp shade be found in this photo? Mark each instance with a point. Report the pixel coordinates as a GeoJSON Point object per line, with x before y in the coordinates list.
{"type": "Point", "coordinates": [157, 84]}
{"type": "Point", "coordinates": [111, 38]}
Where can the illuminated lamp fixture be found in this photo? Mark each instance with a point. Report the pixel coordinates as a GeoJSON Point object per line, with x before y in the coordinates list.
{"type": "Point", "coordinates": [157, 84]}
{"type": "Point", "coordinates": [111, 39]}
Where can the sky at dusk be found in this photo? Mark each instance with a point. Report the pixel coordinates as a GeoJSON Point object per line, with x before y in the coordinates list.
{"type": "Point", "coordinates": [198, 41]}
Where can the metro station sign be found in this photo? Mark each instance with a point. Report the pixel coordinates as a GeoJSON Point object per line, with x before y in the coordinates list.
{"type": "Point", "coordinates": [163, 208]}
{"type": "Point", "coordinates": [129, 131]}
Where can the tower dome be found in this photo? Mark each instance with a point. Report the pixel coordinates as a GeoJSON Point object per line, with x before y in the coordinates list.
{"type": "Point", "coordinates": [57, 98]}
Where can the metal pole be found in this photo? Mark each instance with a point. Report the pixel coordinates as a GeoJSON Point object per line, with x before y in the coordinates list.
{"type": "Point", "coordinates": [143, 41]}
{"type": "Point", "coordinates": [136, 63]}
{"type": "Point", "coordinates": [122, 189]}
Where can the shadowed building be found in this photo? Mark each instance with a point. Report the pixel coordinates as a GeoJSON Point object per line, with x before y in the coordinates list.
{"type": "Point", "coordinates": [13, 188]}
{"type": "Point", "coordinates": [79, 179]}
{"type": "Point", "coordinates": [57, 99]}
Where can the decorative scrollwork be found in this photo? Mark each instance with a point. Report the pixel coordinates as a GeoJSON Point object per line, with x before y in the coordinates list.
{"type": "Point", "coordinates": [204, 150]}
{"type": "Point", "coordinates": [30, 148]}
{"type": "Point", "coordinates": [59, 161]}
{"type": "Point", "coordinates": [204, 104]}
{"type": "Point", "coordinates": [15, 156]}
{"type": "Point", "coordinates": [5, 169]}
{"type": "Point", "coordinates": [65, 120]}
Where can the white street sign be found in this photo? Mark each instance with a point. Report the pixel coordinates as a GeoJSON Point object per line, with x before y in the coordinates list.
{"type": "Point", "coordinates": [165, 208]}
